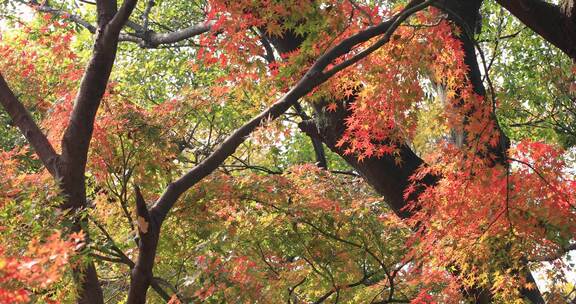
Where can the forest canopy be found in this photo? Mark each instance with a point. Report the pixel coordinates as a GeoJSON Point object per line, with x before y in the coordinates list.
{"type": "Point", "coordinates": [335, 151]}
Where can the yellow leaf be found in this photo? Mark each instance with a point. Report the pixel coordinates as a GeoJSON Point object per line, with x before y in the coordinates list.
{"type": "Point", "coordinates": [530, 286]}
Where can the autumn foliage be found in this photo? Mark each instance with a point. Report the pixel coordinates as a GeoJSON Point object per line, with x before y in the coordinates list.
{"type": "Point", "coordinates": [229, 204]}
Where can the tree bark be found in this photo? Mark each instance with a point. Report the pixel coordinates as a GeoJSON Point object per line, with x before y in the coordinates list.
{"type": "Point", "coordinates": [148, 232]}
{"type": "Point", "coordinates": [386, 176]}
{"type": "Point", "coordinates": [69, 168]}
{"type": "Point", "coordinates": [316, 75]}
{"type": "Point", "coordinates": [554, 23]}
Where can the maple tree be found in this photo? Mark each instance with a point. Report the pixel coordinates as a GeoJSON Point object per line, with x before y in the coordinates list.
{"type": "Point", "coordinates": [141, 153]}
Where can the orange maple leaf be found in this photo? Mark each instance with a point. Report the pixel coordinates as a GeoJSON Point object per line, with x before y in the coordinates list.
{"type": "Point", "coordinates": [331, 107]}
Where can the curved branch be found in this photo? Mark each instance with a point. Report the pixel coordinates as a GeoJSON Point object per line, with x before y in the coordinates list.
{"type": "Point", "coordinates": [311, 79]}
{"type": "Point", "coordinates": [142, 35]}
{"type": "Point", "coordinates": [142, 272]}
{"type": "Point", "coordinates": [396, 21]}
{"type": "Point", "coordinates": [24, 121]}
{"type": "Point", "coordinates": [66, 15]}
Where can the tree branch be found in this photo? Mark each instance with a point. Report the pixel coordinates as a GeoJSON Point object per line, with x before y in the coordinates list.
{"type": "Point", "coordinates": [321, 161]}
{"type": "Point", "coordinates": [546, 19]}
{"type": "Point", "coordinates": [78, 133]}
{"type": "Point", "coordinates": [388, 31]}
{"type": "Point", "coordinates": [142, 36]}
{"type": "Point", "coordinates": [155, 39]}
{"type": "Point", "coordinates": [148, 231]}
{"type": "Point", "coordinates": [312, 78]}
{"type": "Point", "coordinates": [142, 272]}
{"type": "Point", "coordinates": [24, 121]}
{"type": "Point", "coordinates": [121, 17]}
{"type": "Point", "coordinates": [61, 13]}
{"type": "Point", "coordinates": [143, 217]}
{"type": "Point", "coordinates": [106, 9]}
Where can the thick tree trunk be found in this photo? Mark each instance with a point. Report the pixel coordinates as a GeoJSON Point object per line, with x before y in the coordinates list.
{"type": "Point", "coordinates": [554, 23]}
{"type": "Point", "coordinates": [387, 177]}
{"type": "Point", "coordinates": [86, 279]}
{"type": "Point", "coordinates": [72, 183]}
{"type": "Point", "coordinates": [71, 166]}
